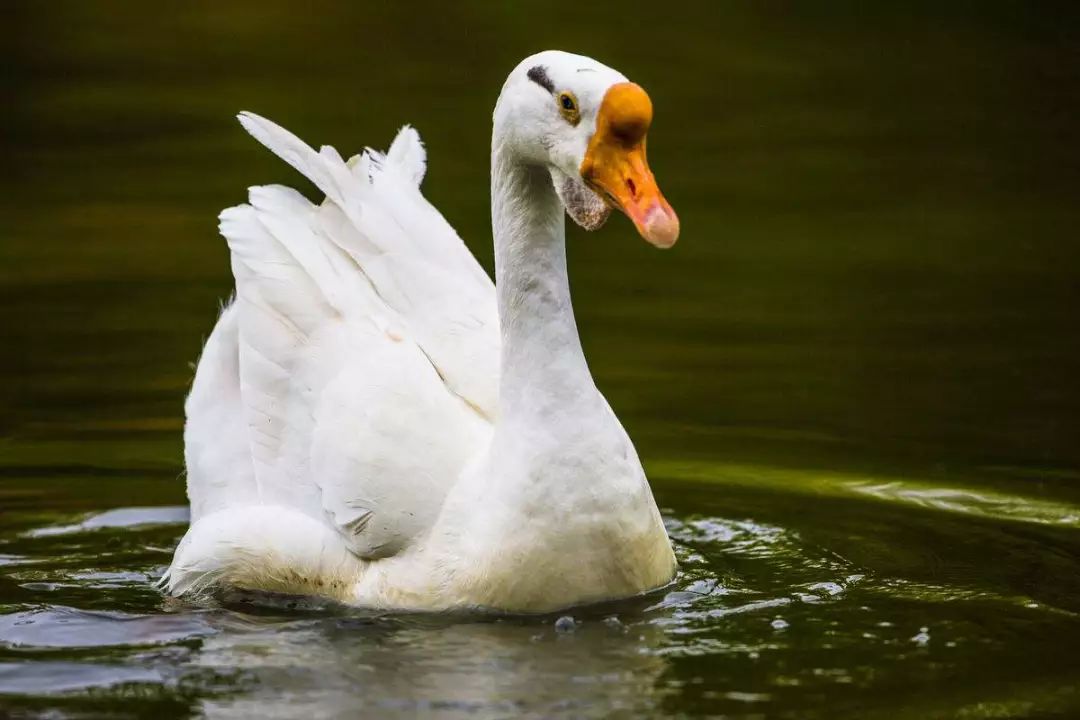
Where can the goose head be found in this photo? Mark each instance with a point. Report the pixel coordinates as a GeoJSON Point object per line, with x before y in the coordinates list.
{"type": "Point", "coordinates": [586, 124]}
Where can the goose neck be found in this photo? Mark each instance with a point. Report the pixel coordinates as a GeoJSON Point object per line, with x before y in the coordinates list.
{"type": "Point", "coordinates": [543, 368]}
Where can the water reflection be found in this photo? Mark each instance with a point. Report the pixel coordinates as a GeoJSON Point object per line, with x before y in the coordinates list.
{"type": "Point", "coordinates": [761, 617]}
{"type": "Point", "coordinates": [406, 667]}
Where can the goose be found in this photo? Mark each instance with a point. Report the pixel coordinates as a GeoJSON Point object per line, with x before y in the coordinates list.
{"type": "Point", "coordinates": [374, 422]}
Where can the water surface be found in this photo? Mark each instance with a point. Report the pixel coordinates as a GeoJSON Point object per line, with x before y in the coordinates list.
{"type": "Point", "coordinates": [854, 381]}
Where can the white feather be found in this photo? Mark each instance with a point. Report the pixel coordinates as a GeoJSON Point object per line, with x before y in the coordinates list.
{"type": "Point", "coordinates": [408, 155]}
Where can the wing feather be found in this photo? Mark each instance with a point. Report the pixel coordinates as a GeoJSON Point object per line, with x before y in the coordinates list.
{"type": "Point", "coordinates": [366, 342]}
{"type": "Point", "coordinates": [412, 257]}
{"type": "Point", "coordinates": [408, 155]}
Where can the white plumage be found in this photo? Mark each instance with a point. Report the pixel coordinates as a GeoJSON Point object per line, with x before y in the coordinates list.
{"type": "Point", "coordinates": [348, 434]}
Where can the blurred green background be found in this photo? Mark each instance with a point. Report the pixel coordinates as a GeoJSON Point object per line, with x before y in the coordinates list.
{"type": "Point", "coordinates": [880, 242]}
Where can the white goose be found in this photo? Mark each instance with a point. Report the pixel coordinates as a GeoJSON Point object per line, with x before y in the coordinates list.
{"type": "Point", "coordinates": [374, 422]}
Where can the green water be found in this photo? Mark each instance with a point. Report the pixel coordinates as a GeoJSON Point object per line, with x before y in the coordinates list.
{"type": "Point", "coordinates": [855, 382]}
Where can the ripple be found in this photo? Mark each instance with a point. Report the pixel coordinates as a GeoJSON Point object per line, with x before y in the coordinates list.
{"type": "Point", "coordinates": [53, 678]}
{"type": "Point", "coordinates": [63, 627]}
{"type": "Point", "coordinates": [921, 492]}
{"type": "Point", "coordinates": [775, 552]}
{"type": "Point", "coordinates": [738, 536]}
{"type": "Point", "coordinates": [985, 503]}
{"type": "Point", "coordinates": [118, 518]}
{"type": "Point", "coordinates": [934, 593]}
{"type": "Point", "coordinates": [773, 568]}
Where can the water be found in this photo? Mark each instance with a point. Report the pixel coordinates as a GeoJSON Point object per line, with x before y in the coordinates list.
{"type": "Point", "coordinates": [854, 382]}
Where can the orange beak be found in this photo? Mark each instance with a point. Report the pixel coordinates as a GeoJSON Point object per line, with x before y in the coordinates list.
{"type": "Point", "coordinates": [615, 165]}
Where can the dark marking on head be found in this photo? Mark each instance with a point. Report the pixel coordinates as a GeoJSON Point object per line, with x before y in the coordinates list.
{"type": "Point", "coordinates": [538, 75]}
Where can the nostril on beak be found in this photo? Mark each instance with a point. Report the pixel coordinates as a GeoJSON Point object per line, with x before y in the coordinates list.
{"type": "Point", "coordinates": [631, 187]}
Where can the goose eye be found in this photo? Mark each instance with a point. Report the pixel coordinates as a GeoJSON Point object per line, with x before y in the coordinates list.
{"type": "Point", "coordinates": [569, 108]}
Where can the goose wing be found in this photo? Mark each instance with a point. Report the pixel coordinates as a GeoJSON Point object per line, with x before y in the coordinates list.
{"type": "Point", "coordinates": [367, 344]}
